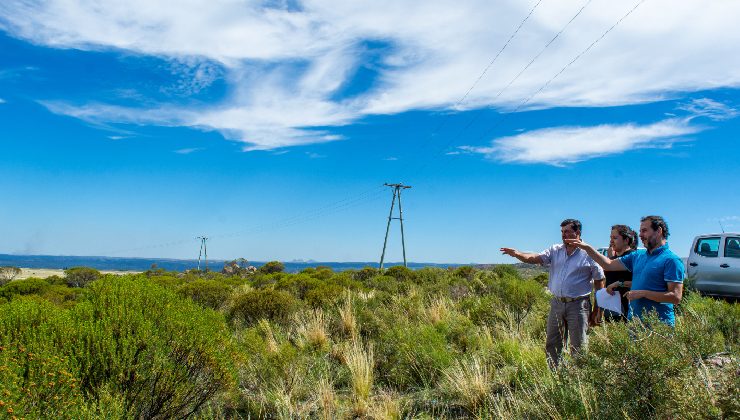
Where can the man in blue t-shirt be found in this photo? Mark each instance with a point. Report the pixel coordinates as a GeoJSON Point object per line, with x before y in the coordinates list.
{"type": "Point", "coordinates": [657, 273]}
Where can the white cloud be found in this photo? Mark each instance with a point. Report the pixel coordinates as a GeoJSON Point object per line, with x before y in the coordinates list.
{"type": "Point", "coordinates": [705, 107]}
{"type": "Point", "coordinates": [562, 145]}
{"type": "Point", "coordinates": [188, 151]}
{"type": "Point", "coordinates": [284, 66]}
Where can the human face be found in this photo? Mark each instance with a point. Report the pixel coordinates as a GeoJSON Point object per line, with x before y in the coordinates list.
{"type": "Point", "coordinates": [650, 238]}
{"type": "Point", "coordinates": [567, 232]}
{"type": "Point", "coordinates": [617, 242]}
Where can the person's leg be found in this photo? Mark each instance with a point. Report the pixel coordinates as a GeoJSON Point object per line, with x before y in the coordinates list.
{"type": "Point", "coordinates": [577, 314]}
{"type": "Point", "coordinates": [556, 332]}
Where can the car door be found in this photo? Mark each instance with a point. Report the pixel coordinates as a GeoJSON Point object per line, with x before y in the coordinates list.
{"type": "Point", "coordinates": [728, 276]}
{"type": "Point", "coordinates": [704, 263]}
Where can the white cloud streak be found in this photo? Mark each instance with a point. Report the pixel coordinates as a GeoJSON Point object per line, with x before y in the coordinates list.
{"type": "Point", "coordinates": [286, 67]}
{"type": "Point", "coordinates": [562, 145]}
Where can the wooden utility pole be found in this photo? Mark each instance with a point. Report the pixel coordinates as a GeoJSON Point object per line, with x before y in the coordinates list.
{"type": "Point", "coordinates": [397, 188]}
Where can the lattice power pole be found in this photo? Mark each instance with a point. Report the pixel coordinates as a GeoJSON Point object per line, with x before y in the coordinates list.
{"type": "Point", "coordinates": [203, 251]}
{"type": "Point", "coordinates": [397, 188]}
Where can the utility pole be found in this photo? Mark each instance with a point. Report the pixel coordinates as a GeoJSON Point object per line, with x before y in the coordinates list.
{"type": "Point", "coordinates": [203, 251]}
{"type": "Point", "coordinates": [397, 188]}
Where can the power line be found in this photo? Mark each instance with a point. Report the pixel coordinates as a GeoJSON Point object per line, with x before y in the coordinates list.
{"type": "Point", "coordinates": [503, 117]}
{"type": "Point", "coordinates": [516, 77]}
{"type": "Point", "coordinates": [313, 214]}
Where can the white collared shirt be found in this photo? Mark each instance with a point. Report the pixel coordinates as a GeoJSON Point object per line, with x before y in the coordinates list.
{"type": "Point", "coordinates": [570, 275]}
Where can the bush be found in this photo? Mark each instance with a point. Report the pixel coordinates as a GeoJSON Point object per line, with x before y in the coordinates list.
{"type": "Point", "coordinates": [274, 305]}
{"type": "Point", "coordinates": [272, 267]}
{"type": "Point", "coordinates": [81, 276]}
{"type": "Point", "coordinates": [400, 273]}
{"type": "Point", "coordinates": [29, 286]}
{"type": "Point", "coordinates": [384, 283]}
{"type": "Point", "coordinates": [412, 356]}
{"type": "Point", "coordinates": [8, 273]}
{"type": "Point", "coordinates": [208, 293]}
{"type": "Point", "coordinates": [465, 272]}
{"type": "Point", "coordinates": [164, 354]}
{"type": "Point", "coordinates": [641, 371]}
{"type": "Point", "coordinates": [128, 346]}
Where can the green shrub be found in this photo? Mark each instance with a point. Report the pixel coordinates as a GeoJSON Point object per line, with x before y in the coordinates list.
{"type": "Point", "coordinates": [29, 286]}
{"type": "Point", "coordinates": [164, 354]}
{"type": "Point", "coordinates": [412, 357]}
{"type": "Point", "coordinates": [81, 276]}
{"type": "Point", "coordinates": [485, 310]}
{"type": "Point", "coordinates": [274, 305]}
{"type": "Point", "coordinates": [400, 273]}
{"type": "Point", "coordinates": [365, 274]}
{"type": "Point", "coordinates": [324, 295]}
{"type": "Point", "coordinates": [649, 372]}
{"type": "Point", "coordinates": [61, 295]}
{"type": "Point", "coordinates": [272, 267]}
{"type": "Point", "coordinates": [56, 280]}
{"type": "Point", "coordinates": [716, 315]}
{"type": "Point", "coordinates": [384, 283]}
{"type": "Point", "coordinates": [208, 293]}
{"type": "Point", "coordinates": [465, 272]}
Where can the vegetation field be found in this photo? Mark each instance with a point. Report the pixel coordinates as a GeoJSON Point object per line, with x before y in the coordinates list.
{"type": "Point", "coordinates": [430, 343]}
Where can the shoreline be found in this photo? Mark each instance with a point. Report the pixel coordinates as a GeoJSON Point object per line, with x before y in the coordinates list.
{"type": "Point", "coordinates": [43, 273]}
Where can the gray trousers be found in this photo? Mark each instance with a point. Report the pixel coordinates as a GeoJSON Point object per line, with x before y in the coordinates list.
{"type": "Point", "coordinates": [566, 321]}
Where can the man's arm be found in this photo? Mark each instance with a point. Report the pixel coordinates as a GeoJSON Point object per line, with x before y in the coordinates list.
{"type": "Point", "coordinates": [673, 295]}
{"type": "Point", "coordinates": [611, 287]}
{"type": "Point", "coordinates": [596, 312]}
{"type": "Point", "coordinates": [604, 262]}
{"type": "Point", "coordinates": [524, 257]}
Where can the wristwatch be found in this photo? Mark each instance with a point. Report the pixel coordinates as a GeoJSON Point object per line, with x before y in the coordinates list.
{"type": "Point", "coordinates": [620, 284]}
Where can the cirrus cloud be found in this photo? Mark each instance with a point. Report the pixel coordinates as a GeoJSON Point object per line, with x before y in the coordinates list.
{"type": "Point", "coordinates": [563, 145]}
{"type": "Point", "coordinates": [286, 63]}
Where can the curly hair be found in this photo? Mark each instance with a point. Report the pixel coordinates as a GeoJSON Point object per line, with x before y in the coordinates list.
{"type": "Point", "coordinates": [627, 234]}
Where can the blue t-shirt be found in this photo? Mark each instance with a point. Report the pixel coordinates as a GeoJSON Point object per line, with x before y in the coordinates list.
{"type": "Point", "coordinates": [652, 271]}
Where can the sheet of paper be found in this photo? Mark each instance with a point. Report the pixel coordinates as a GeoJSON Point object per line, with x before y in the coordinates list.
{"type": "Point", "coordinates": [607, 301]}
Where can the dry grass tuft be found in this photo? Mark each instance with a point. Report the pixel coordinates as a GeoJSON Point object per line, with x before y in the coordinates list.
{"type": "Point", "coordinates": [439, 309]}
{"type": "Point", "coordinates": [265, 329]}
{"type": "Point", "coordinates": [348, 322]}
{"type": "Point", "coordinates": [311, 329]}
{"type": "Point", "coordinates": [469, 381]}
{"type": "Point", "coordinates": [360, 362]}
{"type": "Point", "coordinates": [327, 399]}
{"type": "Point", "coordinates": [386, 406]}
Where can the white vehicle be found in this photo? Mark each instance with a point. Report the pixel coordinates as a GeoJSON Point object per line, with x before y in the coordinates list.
{"type": "Point", "coordinates": [714, 264]}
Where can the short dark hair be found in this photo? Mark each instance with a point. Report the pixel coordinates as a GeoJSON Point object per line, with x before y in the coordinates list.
{"type": "Point", "coordinates": [657, 222]}
{"type": "Point", "coordinates": [628, 234]}
{"type": "Point", "coordinates": [574, 224]}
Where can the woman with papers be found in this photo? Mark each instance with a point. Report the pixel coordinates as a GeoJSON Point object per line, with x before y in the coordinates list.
{"type": "Point", "coordinates": [623, 241]}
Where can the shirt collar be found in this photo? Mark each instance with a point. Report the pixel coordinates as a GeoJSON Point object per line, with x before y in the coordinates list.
{"type": "Point", "coordinates": [659, 250]}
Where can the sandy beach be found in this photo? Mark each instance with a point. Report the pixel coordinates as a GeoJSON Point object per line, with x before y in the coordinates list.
{"type": "Point", "coordinates": [46, 272]}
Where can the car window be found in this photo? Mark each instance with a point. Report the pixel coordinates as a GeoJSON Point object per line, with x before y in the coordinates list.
{"type": "Point", "coordinates": [707, 247]}
{"type": "Point", "coordinates": [732, 247]}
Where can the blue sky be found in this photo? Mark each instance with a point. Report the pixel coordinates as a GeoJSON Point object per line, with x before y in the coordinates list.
{"type": "Point", "coordinates": [128, 130]}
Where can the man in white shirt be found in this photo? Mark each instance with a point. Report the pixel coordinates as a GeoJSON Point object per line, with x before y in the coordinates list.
{"type": "Point", "coordinates": [573, 275]}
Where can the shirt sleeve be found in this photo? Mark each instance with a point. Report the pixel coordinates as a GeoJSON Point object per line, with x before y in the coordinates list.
{"type": "Point", "coordinates": [673, 271]}
{"type": "Point", "coordinates": [597, 273]}
{"type": "Point", "coordinates": [628, 261]}
{"type": "Point", "coordinates": [546, 256]}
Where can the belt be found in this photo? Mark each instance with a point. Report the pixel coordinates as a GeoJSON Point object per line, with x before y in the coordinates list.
{"type": "Point", "coordinates": [571, 299]}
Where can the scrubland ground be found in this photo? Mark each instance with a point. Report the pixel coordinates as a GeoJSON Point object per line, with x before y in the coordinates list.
{"type": "Point", "coordinates": [431, 343]}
